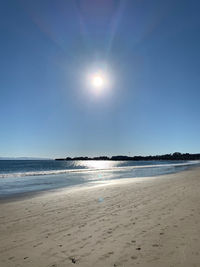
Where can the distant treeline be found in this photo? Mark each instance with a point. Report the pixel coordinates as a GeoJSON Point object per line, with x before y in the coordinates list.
{"type": "Point", "coordinates": [174, 156]}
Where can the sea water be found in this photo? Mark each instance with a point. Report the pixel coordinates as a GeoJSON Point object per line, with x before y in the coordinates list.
{"type": "Point", "coordinates": [23, 176]}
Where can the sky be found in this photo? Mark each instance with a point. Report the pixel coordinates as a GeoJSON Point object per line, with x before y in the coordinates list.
{"type": "Point", "coordinates": [148, 50]}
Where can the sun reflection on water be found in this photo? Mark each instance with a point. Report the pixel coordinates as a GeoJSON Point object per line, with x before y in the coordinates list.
{"type": "Point", "coordinates": [97, 164]}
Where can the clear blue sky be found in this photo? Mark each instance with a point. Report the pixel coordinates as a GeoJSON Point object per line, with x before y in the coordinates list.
{"type": "Point", "coordinates": [150, 50]}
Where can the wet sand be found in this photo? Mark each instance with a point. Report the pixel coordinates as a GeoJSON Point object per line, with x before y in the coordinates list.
{"type": "Point", "coordinates": [140, 222]}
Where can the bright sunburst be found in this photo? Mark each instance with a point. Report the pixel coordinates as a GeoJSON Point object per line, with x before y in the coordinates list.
{"type": "Point", "coordinates": [97, 80]}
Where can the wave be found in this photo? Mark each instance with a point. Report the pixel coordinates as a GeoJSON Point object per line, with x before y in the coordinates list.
{"type": "Point", "coordinates": [65, 171]}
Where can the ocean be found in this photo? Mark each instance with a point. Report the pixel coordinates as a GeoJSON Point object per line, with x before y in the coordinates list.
{"type": "Point", "coordinates": [24, 176]}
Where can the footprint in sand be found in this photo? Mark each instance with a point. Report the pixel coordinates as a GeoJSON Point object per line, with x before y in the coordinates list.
{"type": "Point", "coordinates": [38, 244]}
{"type": "Point", "coordinates": [134, 257]}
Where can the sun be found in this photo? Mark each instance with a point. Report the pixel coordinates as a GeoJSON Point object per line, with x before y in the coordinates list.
{"type": "Point", "coordinates": [97, 81]}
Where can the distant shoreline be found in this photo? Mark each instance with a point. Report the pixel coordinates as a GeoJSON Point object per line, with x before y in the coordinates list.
{"type": "Point", "coordinates": [174, 156]}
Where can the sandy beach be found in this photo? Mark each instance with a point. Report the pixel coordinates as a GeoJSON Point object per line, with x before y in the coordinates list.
{"type": "Point", "coordinates": [139, 222]}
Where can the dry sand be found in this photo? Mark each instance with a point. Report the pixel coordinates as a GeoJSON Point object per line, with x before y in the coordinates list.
{"type": "Point", "coordinates": [140, 222]}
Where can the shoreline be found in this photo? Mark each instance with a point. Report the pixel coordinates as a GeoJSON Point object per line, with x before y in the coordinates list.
{"type": "Point", "coordinates": [75, 188]}
{"type": "Point", "coordinates": [31, 194]}
{"type": "Point", "coordinates": [151, 221]}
